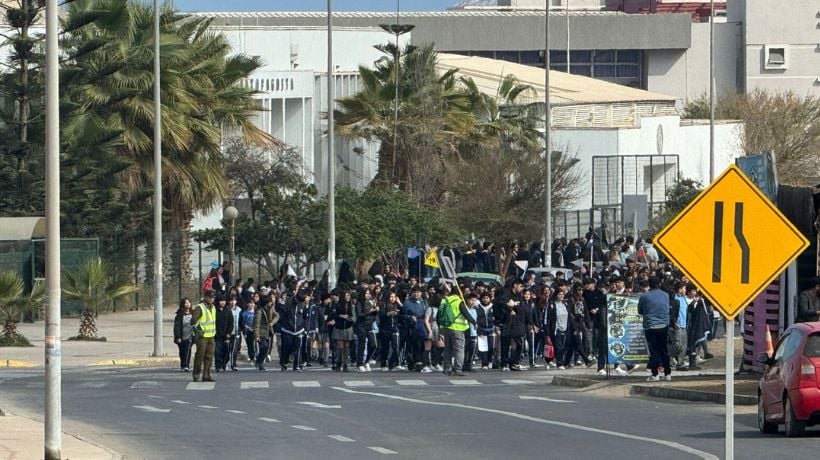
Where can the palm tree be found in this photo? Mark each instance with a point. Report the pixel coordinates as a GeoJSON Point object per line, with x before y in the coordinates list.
{"type": "Point", "coordinates": [434, 115]}
{"type": "Point", "coordinates": [14, 303]}
{"type": "Point", "coordinates": [94, 287]}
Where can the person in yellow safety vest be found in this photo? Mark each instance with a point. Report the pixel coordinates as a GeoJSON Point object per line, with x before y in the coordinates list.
{"type": "Point", "coordinates": [204, 320]}
{"type": "Point", "coordinates": [454, 333]}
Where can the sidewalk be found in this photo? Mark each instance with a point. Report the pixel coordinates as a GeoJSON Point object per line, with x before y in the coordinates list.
{"type": "Point", "coordinates": [22, 438]}
{"type": "Point", "coordinates": [130, 342]}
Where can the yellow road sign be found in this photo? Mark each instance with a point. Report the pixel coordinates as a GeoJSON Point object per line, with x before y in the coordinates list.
{"type": "Point", "coordinates": [432, 259]}
{"type": "Point", "coordinates": [731, 241]}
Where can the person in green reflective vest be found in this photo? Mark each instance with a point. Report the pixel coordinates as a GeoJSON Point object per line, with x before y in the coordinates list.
{"type": "Point", "coordinates": [204, 321]}
{"type": "Point", "coordinates": [454, 333]}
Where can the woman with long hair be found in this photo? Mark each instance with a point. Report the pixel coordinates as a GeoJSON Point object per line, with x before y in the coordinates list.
{"type": "Point", "coordinates": [342, 321]}
{"type": "Point", "coordinates": [184, 333]}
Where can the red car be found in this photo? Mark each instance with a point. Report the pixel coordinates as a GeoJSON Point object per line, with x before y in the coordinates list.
{"type": "Point", "coordinates": [789, 392]}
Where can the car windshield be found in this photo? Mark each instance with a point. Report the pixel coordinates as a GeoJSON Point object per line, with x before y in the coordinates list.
{"type": "Point", "coordinates": [812, 348]}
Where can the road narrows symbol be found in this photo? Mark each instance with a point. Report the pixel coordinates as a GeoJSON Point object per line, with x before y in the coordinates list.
{"type": "Point", "coordinates": [717, 248]}
{"type": "Point", "coordinates": [744, 246]}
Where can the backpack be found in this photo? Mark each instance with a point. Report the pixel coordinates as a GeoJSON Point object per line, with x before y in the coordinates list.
{"type": "Point", "coordinates": [445, 316]}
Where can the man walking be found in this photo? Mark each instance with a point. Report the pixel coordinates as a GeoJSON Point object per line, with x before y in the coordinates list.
{"type": "Point", "coordinates": [204, 318]}
{"type": "Point", "coordinates": [452, 328]}
{"type": "Point", "coordinates": [654, 307]}
{"type": "Point", "coordinates": [263, 321]}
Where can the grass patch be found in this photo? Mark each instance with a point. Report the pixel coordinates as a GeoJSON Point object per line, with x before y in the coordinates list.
{"type": "Point", "coordinates": [16, 341]}
{"type": "Point", "coordinates": [80, 338]}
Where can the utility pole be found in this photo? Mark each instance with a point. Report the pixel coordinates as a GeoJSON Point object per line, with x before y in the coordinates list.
{"type": "Point", "coordinates": [52, 428]}
{"type": "Point", "coordinates": [157, 193]}
{"type": "Point", "coordinates": [397, 68]}
{"type": "Point", "coordinates": [548, 132]}
{"type": "Point", "coordinates": [331, 160]}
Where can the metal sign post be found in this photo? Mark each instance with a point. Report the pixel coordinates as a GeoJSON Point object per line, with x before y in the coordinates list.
{"type": "Point", "coordinates": [731, 241]}
{"type": "Point", "coordinates": [730, 390]}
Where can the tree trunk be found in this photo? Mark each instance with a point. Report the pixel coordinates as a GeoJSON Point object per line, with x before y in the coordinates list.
{"type": "Point", "coordinates": [10, 329]}
{"type": "Point", "coordinates": [88, 324]}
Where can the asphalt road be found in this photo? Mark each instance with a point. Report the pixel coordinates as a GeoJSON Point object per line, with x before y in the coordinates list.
{"type": "Point", "coordinates": [160, 413]}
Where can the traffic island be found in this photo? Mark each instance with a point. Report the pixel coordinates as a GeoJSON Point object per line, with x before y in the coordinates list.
{"type": "Point", "coordinates": [141, 362]}
{"type": "Point", "coordinates": [689, 394]}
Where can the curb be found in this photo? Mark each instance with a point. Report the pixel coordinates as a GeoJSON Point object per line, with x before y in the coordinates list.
{"type": "Point", "coordinates": [690, 395]}
{"type": "Point", "coordinates": [17, 363]}
{"type": "Point", "coordinates": [142, 362]}
{"type": "Point", "coordinates": [573, 382]}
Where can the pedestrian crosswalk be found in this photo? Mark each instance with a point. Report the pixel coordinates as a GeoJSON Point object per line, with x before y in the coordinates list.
{"type": "Point", "coordinates": [159, 386]}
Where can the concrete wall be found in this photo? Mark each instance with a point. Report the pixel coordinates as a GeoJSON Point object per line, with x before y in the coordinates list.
{"type": "Point", "coordinates": [795, 24]}
{"type": "Point", "coordinates": [685, 73]}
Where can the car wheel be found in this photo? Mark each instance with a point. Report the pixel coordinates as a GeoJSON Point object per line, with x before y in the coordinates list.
{"type": "Point", "coordinates": [765, 427]}
{"type": "Point", "coordinates": [794, 428]}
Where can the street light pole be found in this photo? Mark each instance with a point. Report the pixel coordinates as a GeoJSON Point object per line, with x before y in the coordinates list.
{"type": "Point", "coordinates": [331, 160]}
{"type": "Point", "coordinates": [230, 214]}
{"type": "Point", "coordinates": [548, 133]}
{"type": "Point", "coordinates": [157, 193]}
{"type": "Point", "coordinates": [566, 14]}
{"type": "Point", "coordinates": [52, 429]}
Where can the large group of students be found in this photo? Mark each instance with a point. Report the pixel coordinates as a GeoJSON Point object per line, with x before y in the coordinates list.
{"type": "Point", "coordinates": [389, 321]}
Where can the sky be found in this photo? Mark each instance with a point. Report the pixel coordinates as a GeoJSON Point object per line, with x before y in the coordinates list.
{"type": "Point", "coordinates": [312, 5]}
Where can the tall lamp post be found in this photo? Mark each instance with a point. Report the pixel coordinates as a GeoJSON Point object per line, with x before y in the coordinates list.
{"type": "Point", "coordinates": [547, 134]}
{"type": "Point", "coordinates": [157, 194]}
{"type": "Point", "coordinates": [230, 214]}
{"type": "Point", "coordinates": [331, 159]}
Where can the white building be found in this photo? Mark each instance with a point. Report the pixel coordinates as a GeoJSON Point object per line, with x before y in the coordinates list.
{"type": "Point", "coordinates": [629, 141]}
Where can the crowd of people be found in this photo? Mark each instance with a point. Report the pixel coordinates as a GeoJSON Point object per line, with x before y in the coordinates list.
{"type": "Point", "coordinates": [393, 321]}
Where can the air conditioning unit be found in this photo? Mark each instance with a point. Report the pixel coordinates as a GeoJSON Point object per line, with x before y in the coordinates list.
{"type": "Point", "coordinates": [776, 57]}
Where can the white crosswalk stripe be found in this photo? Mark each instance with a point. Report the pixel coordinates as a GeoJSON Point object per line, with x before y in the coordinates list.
{"type": "Point", "coordinates": [207, 407]}
{"type": "Point", "coordinates": [145, 384]}
{"type": "Point", "coordinates": [359, 383]}
{"type": "Point", "coordinates": [411, 383]}
{"type": "Point", "coordinates": [200, 386]}
{"type": "Point", "coordinates": [269, 420]}
{"type": "Point", "coordinates": [249, 385]}
{"type": "Point", "coordinates": [465, 382]}
{"type": "Point", "coordinates": [518, 382]}
{"type": "Point", "coordinates": [234, 411]}
{"type": "Point", "coordinates": [93, 385]}
{"type": "Point", "coordinates": [306, 384]}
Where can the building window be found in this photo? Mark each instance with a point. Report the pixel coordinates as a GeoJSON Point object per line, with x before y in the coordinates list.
{"type": "Point", "coordinates": [776, 57]}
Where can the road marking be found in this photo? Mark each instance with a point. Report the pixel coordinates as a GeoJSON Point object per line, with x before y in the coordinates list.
{"type": "Point", "coordinates": [207, 407]}
{"type": "Point", "coordinates": [303, 428]}
{"type": "Point", "coordinates": [518, 382]}
{"type": "Point", "coordinates": [465, 382]}
{"type": "Point", "coordinates": [249, 385]}
{"type": "Point", "coordinates": [269, 420]}
{"type": "Point", "coordinates": [234, 411]}
{"type": "Point", "coordinates": [203, 386]}
{"type": "Point", "coordinates": [382, 450]}
{"type": "Point", "coordinates": [359, 383]}
{"type": "Point", "coordinates": [538, 398]}
{"type": "Point", "coordinates": [152, 409]}
{"type": "Point", "coordinates": [318, 405]}
{"type": "Point", "coordinates": [411, 383]}
{"type": "Point", "coordinates": [145, 384]}
{"type": "Point", "coordinates": [673, 445]}
{"type": "Point", "coordinates": [93, 385]}
{"type": "Point", "coordinates": [306, 384]}
{"type": "Point", "coordinates": [156, 397]}
{"type": "Point", "coordinates": [340, 438]}
{"type": "Point", "coordinates": [176, 401]}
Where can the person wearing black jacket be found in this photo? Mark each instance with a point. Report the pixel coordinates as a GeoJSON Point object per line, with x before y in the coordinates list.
{"type": "Point", "coordinates": [486, 328]}
{"type": "Point", "coordinates": [513, 330]}
{"type": "Point", "coordinates": [293, 323]}
{"type": "Point", "coordinates": [224, 329]}
{"type": "Point", "coordinates": [578, 317]}
{"type": "Point", "coordinates": [528, 308]}
{"type": "Point", "coordinates": [367, 311]}
{"type": "Point", "coordinates": [342, 320]}
{"type": "Point", "coordinates": [389, 332]}
{"type": "Point", "coordinates": [595, 302]}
